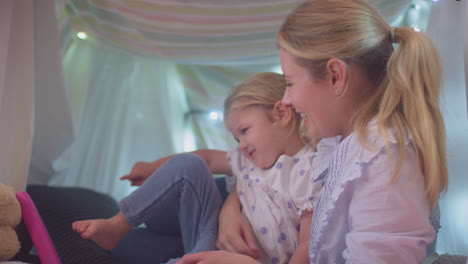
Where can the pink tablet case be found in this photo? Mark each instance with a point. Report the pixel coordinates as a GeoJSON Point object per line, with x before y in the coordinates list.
{"type": "Point", "coordinates": [37, 231]}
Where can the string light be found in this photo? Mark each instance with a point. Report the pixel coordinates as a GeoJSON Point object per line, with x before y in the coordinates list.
{"type": "Point", "coordinates": [214, 115]}
{"type": "Point", "coordinates": [82, 35]}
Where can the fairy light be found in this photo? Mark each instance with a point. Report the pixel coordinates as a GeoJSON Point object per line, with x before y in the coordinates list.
{"type": "Point", "coordinates": [214, 115]}
{"type": "Point", "coordinates": [82, 35]}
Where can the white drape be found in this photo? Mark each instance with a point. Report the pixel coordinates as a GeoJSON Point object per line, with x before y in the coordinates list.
{"type": "Point", "coordinates": [128, 108]}
{"type": "Point", "coordinates": [31, 88]}
{"type": "Point", "coordinates": [53, 129]}
{"type": "Point", "coordinates": [16, 91]}
{"type": "Point", "coordinates": [447, 28]}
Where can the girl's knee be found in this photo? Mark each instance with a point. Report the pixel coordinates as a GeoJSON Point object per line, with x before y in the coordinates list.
{"type": "Point", "coordinates": [188, 159]}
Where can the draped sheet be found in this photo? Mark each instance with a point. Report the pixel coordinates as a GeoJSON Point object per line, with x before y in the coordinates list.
{"type": "Point", "coordinates": [33, 101]}
{"type": "Point", "coordinates": [16, 91]}
{"type": "Point", "coordinates": [241, 32]}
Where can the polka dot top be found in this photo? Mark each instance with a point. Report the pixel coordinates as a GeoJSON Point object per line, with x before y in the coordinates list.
{"type": "Point", "coordinates": [274, 199]}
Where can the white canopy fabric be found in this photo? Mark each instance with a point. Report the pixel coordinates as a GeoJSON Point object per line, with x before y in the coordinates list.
{"type": "Point", "coordinates": [16, 91]}
{"type": "Point", "coordinates": [33, 101]}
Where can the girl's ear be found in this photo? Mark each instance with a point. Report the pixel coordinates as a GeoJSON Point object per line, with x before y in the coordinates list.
{"type": "Point", "coordinates": [337, 75]}
{"type": "Point", "coordinates": [282, 114]}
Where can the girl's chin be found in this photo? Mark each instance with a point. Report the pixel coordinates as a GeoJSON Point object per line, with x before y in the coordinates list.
{"type": "Point", "coordinates": [263, 165]}
{"type": "Point", "coordinates": [312, 132]}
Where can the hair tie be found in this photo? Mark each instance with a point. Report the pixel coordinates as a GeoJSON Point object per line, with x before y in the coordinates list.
{"type": "Point", "coordinates": [393, 38]}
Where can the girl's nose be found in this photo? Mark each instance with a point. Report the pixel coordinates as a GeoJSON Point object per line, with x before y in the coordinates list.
{"type": "Point", "coordinates": [286, 101]}
{"type": "Point", "coordinates": [242, 144]}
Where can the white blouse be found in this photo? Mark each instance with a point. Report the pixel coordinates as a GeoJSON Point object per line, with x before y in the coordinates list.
{"type": "Point", "coordinates": [364, 217]}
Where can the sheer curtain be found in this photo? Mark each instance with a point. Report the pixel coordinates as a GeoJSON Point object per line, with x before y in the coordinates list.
{"type": "Point", "coordinates": [35, 119]}
{"type": "Point", "coordinates": [127, 108]}
{"type": "Point", "coordinates": [16, 91]}
{"type": "Point", "coordinates": [447, 28]}
{"type": "Point", "coordinates": [53, 127]}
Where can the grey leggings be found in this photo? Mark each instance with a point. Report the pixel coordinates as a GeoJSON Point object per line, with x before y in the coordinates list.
{"type": "Point", "coordinates": [179, 204]}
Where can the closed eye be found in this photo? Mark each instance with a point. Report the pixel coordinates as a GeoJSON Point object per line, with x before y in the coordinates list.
{"type": "Point", "coordinates": [244, 130]}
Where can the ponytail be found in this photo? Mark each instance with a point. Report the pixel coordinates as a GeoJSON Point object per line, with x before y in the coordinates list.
{"type": "Point", "coordinates": [410, 100]}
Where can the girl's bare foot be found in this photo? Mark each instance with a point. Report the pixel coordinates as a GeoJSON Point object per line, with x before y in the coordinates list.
{"type": "Point", "coordinates": [105, 232]}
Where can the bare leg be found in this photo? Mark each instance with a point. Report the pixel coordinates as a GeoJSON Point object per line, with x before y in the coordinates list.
{"type": "Point", "coordinates": [105, 232]}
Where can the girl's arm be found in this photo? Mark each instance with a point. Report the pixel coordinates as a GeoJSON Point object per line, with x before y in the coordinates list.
{"type": "Point", "coordinates": [235, 233]}
{"type": "Point", "coordinates": [215, 159]}
{"type": "Point", "coordinates": [301, 255]}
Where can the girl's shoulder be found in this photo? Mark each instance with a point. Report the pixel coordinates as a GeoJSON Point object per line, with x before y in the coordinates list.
{"type": "Point", "coordinates": [373, 143]}
{"type": "Point", "coordinates": [375, 154]}
{"type": "Point", "coordinates": [237, 161]}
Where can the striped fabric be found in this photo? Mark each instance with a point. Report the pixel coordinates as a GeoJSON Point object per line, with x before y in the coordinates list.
{"type": "Point", "coordinates": [205, 32]}
{"type": "Point", "coordinates": [208, 32]}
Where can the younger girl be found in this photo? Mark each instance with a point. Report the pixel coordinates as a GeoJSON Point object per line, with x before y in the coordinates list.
{"type": "Point", "coordinates": [272, 167]}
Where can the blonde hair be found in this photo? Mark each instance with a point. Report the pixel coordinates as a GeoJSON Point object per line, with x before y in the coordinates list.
{"type": "Point", "coordinates": [261, 90]}
{"type": "Point", "coordinates": [407, 79]}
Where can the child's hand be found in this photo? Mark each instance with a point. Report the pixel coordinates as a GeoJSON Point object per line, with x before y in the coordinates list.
{"type": "Point", "coordinates": [139, 173]}
{"type": "Point", "coordinates": [216, 257]}
{"type": "Point", "coordinates": [235, 233]}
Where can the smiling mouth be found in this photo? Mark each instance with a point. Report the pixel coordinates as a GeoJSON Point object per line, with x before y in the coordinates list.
{"type": "Point", "coordinates": [251, 153]}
